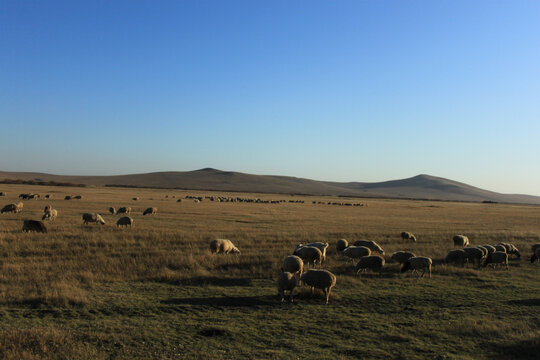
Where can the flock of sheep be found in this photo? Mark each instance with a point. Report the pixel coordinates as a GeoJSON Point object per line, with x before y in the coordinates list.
{"type": "Point", "coordinates": [50, 214]}
{"type": "Point", "coordinates": [365, 254]}
{"type": "Point", "coordinates": [368, 255]}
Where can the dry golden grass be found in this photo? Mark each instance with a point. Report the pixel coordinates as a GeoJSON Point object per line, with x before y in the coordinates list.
{"type": "Point", "coordinates": [107, 290]}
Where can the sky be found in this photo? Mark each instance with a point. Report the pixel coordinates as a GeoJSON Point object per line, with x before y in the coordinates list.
{"type": "Point", "coordinates": [328, 90]}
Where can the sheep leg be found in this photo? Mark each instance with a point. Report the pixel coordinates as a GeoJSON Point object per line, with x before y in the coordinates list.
{"type": "Point", "coordinates": [312, 290]}
{"type": "Point", "coordinates": [327, 295]}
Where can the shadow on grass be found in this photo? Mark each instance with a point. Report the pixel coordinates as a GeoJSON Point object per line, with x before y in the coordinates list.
{"type": "Point", "coordinates": [226, 301]}
{"type": "Point", "coordinates": [208, 280]}
{"type": "Point", "coordinates": [527, 349]}
{"type": "Point", "coordinates": [525, 302]}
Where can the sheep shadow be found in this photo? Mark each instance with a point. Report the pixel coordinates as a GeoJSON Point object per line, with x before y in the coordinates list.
{"type": "Point", "coordinates": [208, 281]}
{"type": "Point", "coordinates": [226, 301]}
{"type": "Point", "coordinates": [525, 302]}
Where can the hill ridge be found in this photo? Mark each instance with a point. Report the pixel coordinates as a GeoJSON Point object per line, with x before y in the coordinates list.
{"type": "Point", "coordinates": [422, 186]}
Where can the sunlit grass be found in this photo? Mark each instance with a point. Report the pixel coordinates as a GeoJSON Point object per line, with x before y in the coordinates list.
{"type": "Point", "coordinates": [156, 291]}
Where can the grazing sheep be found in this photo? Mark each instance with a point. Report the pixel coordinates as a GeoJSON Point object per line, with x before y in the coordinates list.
{"type": "Point", "coordinates": [293, 264]}
{"type": "Point", "coordinates": [50, 214]}
{"type": "Point", "coordinates": [512, 249]}
{"type": "Point", "coordinates": [92, 218]}
{"type": "Point", "coordinates": [457, 257]}
{"type": "Point", "coordinates": [373, 262]}
{"type": "Point", "coordinates": [489, 248]}
{"type": "Point", "coordinates": [497, 258]}
{"type": "Point", "coordinates": [112, 210]}
{"type": "Point", "coordinates": [418, 263]}
{"type": "Point", "coordinates": [402, 256]}
{"type": "Point", "coordinates": [309, 254]}
{"type": "Point", "coordinates": [48, 196]}
{"type": "Point", "coordinates": [534, 247]}
{"type": "Point", "coordinates": [67, 197]}
{"type": "Point", "coordinates": [223, 246]}
{"type": "Point", "coordinates": [500, 247]}
{"type": "Point", "coordinates": [123, 210]}
{"type": "Point", "coordinates": [536, 255]}
{"type": "Point", "coordinates": [341, 245]}
{"type": "Point", "coordinates": [356, 252]}
{"type": "Point", "coordinates": [320, 279]}
{"type": "Point", "coordinates": [78, 197]}
{"type": "Point", "coordinates": [485, 251]}
{"type": "Point", "coordinates": [47, 208]}
{"type": "Point", "coordinates": [196, 201]}
{"type": "Point", "coordinates": [461, 240]}
{"type": "Point", "coordinates": [2, 193]}
{"type": "Point", "coordinates": [9, 208]}
{"type": "Point", "coordinates": [124, 221]}
{"type": "Point", "coordinates": [405, 235]}
{"type": "Point", "coordinates": [135, 198]}
{"type": "Point", "coordinates": [474, 255]}
{"type": "Point", "coordinates": [286, 282]}
{"type": "Point", "coordinates": [14, 208]}
{"type": "Point", "coordinates": [319, 245]}
{"type": "Point", "coordinates": [34, 225]}
{"type": "Point", "coordinates": [150, 211]}
{"type": "Point", "coordinates": [372, 245]}
{"type": "Point", "coordinates": [179, 200]}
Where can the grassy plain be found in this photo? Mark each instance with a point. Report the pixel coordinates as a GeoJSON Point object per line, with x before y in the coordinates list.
{"type": "Point", "coordinates": [156, 292]}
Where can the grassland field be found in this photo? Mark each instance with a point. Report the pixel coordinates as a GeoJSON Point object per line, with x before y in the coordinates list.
{"type": "Point", "coordinates": [156, 292]}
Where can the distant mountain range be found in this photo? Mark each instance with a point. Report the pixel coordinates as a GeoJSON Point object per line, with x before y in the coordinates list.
{"type": "Point", "coordinates": [418, 187]}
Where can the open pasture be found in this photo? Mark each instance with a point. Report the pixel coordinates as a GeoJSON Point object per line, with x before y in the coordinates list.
{"type": "Point", "coordinates": [156, 292]}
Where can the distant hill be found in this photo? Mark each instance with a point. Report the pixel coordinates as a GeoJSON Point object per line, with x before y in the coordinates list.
{"type": "Point", "coordinates": [418, 187]}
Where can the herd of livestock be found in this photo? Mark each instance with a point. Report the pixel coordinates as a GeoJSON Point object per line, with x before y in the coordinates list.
{"type": "Point", "coordinates": [365, 254]}
{"type": "Point", "coordinates": [368, 255]}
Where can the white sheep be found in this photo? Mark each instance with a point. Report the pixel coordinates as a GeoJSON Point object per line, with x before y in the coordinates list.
{"type": "Point", "coordinates": [50, 214]}
{"type": "Point", "coordinates": [150, 211]}
{"type": "Point", "coordinates": [474, 255]}
{"type": "Point", "coordinates": [461, 240]}
{"type": "Point", "coordinates": [123, 210]}
{"type": "Point", "coordinates": [372, 245]}
{"type": "Point", "coordinates": [293, 264]}
{"type": "Point", "coordinates": [341, 245]}
{"type": "Point", "coordinates": [456, 256]}
{"type": "Point", "coordinates": [356, 252]}
{"type": "Point", "coordinates": [402, 256]}
{"type": "Point", "coordinates": [9, 208]}
{"type": "Point", "coordinates": [319, 245]}
{"type": "Point", "coordinates": [286, 282]}
{"type": "Point", "coordinates": [418, 263]}
{"type": "Point", "coordinates": [490, 248]}
{"type": "Point", "coordinates": [497, 258]}
{"type": "Point", "coordinates": [223, 246]}
{"type": "Point", "coordinates": [511, 249]}
{"type": "Point", "coordinates": [124, 221]}
{"type": "Point", "coordinates": [34, 225]}
{"type": "Point", "coordinates": [92, 218]}
{"type": "Point", "coordinates": [320, 279]}
{"type": "Point", "coordinates": [405, 235]}
{"type": "Point", "coordinates": [309, 254]}
{"type": "Point", "coordinates": [373, 262]}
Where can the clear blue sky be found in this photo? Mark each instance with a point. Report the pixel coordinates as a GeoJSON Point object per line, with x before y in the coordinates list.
{"type": "Point", "coordinates": [329, 90]}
